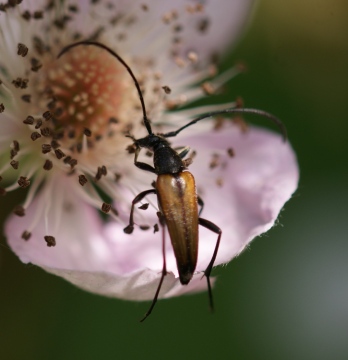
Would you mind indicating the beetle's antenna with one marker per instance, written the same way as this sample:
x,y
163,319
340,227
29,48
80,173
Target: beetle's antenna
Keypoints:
x,y
265,114
118,57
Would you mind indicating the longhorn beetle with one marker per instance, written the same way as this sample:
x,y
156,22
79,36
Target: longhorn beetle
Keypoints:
x,y
175,188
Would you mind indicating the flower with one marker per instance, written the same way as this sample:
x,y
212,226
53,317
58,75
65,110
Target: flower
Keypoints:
x,y
63,137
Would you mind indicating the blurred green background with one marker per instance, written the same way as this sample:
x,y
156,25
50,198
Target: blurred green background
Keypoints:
x,y
286,297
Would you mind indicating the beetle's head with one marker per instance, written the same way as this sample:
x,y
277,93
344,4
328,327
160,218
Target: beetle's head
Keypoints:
x,y
151,142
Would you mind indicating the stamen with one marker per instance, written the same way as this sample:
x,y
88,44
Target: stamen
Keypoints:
x,y
19,211
50,240
35,135
26,98
14,164
46,148
26,235
82,180
23,182
22,50
59,154
29,120
106,208
230,152
48,165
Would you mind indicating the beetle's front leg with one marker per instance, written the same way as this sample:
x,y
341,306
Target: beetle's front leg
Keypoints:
x,y
129,229
141,165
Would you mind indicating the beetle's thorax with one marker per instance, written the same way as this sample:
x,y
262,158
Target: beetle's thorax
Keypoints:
x,y
165,159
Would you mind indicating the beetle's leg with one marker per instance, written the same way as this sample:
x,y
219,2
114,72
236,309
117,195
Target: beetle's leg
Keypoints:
x,y
129,229
211,226
201,204
164,269
141,165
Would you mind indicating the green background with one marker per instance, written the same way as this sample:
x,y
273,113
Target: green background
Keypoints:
x,y
286,297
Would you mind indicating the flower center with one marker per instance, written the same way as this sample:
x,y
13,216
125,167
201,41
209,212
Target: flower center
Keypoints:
x,y
86,86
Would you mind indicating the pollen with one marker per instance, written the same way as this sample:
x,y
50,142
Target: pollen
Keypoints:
x,y
87,87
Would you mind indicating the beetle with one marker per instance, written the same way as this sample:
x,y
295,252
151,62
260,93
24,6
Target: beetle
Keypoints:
x,y
175,188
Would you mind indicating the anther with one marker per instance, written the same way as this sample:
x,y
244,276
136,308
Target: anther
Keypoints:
x,y
15,145
45,131
19,210
13,153
203,25
208,88
35,65
67,160
113,120
23,182
144,227
22,50
117,177
50,240
26,15
87,132
46,148
230,152
29,120
35,135
82,180
55,144
73,163
38,15
167,89
20,83
73,8
155,228
47,115
59,154
106,208
14,164
26,98
38,124
48,165
26,235
2,108
215,161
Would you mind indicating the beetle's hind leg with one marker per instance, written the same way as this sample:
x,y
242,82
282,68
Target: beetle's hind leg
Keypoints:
x,y
129,229
164,268
211,226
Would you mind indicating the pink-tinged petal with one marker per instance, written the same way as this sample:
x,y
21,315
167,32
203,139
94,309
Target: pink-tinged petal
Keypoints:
x,y
255,185
243,194
138,286
75,226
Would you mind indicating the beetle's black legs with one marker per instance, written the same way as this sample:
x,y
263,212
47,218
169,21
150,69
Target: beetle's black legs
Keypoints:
x,y
164,269
129,229
141,165
211,226
201,204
